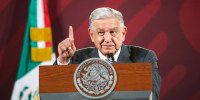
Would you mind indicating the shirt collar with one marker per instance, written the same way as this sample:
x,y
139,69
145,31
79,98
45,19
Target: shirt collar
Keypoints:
x,y
101,56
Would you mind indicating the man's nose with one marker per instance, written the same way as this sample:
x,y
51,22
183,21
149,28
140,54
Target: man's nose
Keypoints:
x,y
107,37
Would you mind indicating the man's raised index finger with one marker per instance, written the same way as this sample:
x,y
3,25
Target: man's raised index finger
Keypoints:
x,y
71,33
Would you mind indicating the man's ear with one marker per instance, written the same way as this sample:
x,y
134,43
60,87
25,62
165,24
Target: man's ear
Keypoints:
x,y
124,30
91,34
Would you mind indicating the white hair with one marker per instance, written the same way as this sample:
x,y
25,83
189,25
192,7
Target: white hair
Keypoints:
x,y
105,12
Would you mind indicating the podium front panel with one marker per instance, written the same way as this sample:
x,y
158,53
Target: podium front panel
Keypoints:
x,y
133,80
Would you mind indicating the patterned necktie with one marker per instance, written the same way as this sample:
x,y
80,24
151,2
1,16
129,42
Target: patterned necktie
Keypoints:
x,y
109,60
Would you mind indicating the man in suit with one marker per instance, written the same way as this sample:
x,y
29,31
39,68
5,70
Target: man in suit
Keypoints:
x,y
107,31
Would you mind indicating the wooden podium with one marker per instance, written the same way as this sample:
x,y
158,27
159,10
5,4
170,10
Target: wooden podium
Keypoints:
x,y
134,81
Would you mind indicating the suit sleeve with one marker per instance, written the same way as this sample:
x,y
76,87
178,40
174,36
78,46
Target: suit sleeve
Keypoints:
x,y
156,79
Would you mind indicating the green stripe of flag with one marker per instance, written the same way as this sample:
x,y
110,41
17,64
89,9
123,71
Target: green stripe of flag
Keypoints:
x,y
33,13
34,44
25,64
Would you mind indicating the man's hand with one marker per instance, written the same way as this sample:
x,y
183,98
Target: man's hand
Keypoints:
x,y
66,48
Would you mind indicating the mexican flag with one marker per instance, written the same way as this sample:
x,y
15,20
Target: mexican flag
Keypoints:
x,y
37,50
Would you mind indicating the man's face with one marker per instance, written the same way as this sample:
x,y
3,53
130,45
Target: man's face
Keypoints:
x,y
107,35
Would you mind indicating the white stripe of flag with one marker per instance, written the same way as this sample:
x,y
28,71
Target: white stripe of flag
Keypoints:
x,y
41,44
40,14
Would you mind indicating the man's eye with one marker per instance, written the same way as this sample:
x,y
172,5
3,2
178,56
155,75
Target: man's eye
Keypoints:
x,y
100,33
113,33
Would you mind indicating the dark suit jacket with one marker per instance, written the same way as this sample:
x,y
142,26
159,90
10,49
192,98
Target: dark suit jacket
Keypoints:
x,y
128,54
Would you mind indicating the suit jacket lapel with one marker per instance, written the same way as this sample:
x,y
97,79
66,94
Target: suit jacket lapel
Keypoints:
x,y
124,56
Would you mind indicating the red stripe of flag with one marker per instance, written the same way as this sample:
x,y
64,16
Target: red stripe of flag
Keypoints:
x,y
46,14
48,44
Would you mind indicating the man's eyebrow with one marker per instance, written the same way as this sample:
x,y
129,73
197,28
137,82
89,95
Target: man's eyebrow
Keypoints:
x,y
99,29
114,28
